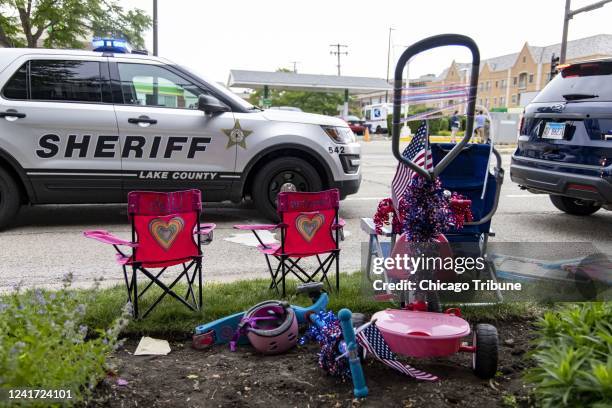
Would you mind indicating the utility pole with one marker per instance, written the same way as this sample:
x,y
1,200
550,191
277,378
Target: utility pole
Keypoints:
x,y
388,62
155,49
568,15
338,53
294,66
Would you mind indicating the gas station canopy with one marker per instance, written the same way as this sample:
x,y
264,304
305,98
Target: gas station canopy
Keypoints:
x,y
305,82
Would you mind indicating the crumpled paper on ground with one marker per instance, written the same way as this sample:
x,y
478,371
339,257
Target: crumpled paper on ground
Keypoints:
x,y
148,346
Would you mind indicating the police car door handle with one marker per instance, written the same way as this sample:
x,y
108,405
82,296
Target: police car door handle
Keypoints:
x,y
12,114
143,121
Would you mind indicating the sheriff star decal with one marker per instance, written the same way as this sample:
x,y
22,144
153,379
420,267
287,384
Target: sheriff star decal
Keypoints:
x,y
237,135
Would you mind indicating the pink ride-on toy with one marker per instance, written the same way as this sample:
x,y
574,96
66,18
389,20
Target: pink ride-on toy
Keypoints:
x,y
166,232
414,331
309,227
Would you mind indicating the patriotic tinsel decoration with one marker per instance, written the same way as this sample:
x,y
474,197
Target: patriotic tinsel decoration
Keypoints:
x,y
424,210
381,218
329,336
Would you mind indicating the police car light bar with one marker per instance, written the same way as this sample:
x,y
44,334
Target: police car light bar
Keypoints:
x,y
117,45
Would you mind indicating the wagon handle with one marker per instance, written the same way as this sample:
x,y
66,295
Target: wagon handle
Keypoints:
x,y
416,48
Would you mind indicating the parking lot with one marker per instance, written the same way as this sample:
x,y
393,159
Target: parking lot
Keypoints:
x,y
46,242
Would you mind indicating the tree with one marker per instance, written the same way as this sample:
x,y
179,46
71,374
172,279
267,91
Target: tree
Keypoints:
x,y
68,23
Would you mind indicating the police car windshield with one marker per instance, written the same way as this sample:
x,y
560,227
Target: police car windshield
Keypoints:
x,y
222,90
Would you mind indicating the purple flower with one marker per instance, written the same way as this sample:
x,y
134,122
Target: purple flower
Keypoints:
x,y
17,347
80,309
40,298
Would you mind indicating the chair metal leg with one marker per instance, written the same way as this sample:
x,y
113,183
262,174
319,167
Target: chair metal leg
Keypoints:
x,y
272,274
337,260
283,273
127,284
369,260
135,288
151,282
190,281
167,291
200,284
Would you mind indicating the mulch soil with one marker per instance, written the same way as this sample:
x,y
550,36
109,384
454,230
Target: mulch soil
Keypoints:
x,y
220,378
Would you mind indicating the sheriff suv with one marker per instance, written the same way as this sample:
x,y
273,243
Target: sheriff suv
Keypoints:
x,y
88,127
565,140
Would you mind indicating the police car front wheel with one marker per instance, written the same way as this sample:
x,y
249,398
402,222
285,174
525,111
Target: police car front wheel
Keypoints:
x,y
9,198
283,174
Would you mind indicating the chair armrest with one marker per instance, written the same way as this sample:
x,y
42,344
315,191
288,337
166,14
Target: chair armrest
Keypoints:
x,y
339,227
108,238
206,232
207,227
257,227
341,223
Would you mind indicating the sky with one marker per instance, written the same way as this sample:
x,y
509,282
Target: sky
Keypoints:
x,y
212,37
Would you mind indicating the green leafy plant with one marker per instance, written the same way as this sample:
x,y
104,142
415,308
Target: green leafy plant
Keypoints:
x,y
574,357
44,345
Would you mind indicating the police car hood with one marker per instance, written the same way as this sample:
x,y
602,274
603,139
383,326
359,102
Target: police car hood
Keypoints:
x,y
301,117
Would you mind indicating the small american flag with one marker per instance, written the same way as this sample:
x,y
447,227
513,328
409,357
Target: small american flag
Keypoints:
x,y
373,342
419,152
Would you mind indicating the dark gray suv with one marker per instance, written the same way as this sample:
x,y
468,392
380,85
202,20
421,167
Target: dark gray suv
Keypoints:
x,y
565,140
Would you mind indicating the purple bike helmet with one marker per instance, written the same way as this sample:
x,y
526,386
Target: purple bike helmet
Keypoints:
x,y
271,327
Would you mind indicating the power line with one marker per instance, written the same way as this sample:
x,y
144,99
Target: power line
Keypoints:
x,y
338,53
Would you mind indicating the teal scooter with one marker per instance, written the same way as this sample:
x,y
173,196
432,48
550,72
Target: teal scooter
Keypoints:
x,y
221,331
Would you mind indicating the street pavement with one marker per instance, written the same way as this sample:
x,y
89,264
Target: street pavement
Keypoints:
x,y
46,242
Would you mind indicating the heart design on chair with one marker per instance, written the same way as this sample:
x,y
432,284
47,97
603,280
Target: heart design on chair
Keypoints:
x,y
165,232
308,225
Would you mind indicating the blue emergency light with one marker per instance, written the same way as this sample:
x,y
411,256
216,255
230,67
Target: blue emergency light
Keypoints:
x,y
118,45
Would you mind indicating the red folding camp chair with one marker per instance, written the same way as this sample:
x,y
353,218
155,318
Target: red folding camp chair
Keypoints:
x,y
309,226
165,232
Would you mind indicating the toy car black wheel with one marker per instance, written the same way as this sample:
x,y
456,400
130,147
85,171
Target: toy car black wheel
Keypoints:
x,y
574,206
484,359
9,198
358,319
433,302
283,173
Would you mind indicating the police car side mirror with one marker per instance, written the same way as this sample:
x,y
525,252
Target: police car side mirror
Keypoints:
x,y
210,104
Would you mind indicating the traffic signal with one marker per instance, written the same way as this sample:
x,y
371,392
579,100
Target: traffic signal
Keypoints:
x,y
554,62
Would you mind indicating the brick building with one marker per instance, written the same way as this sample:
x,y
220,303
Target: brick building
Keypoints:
x,y
504,79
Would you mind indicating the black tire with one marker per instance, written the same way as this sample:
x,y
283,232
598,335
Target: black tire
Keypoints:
x,y
433,302
358,319
9,198
266,184
574,206
484,360
378,130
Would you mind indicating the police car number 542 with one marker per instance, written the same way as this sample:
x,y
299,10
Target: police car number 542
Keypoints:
x,y
91,126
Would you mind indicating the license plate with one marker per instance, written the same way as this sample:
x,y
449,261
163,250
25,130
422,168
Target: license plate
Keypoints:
x,y
553,130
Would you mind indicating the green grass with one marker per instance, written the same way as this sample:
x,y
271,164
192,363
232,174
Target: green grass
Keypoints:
x,y
171,318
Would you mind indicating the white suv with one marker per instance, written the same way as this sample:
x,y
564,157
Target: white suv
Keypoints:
x,y
88,127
